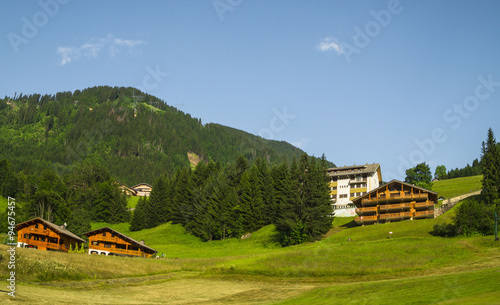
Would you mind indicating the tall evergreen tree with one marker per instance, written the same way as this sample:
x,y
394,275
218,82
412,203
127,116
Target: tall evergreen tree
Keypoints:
x,y
156,211
490,164
252,204
138,221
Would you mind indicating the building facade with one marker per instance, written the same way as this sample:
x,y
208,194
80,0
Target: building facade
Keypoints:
x,y
349,182
106,241
40,234
395,201
142,189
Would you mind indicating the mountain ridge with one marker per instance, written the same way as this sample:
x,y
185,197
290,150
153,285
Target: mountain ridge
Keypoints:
x,y
135,135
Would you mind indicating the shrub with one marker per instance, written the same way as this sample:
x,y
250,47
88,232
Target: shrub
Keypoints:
x,y
474,217
444,230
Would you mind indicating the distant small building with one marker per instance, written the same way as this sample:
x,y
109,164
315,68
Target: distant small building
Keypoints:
x,y
127,190
106,241
40,234
142,189
435,180
395,201
349,182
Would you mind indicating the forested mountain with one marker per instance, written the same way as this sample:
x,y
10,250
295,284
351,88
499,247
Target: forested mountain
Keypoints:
x,y
136,136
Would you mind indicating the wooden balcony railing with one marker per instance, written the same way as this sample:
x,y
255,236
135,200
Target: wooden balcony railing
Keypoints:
x,y
394,196
44,244
395,215
424,204
398,206
367,210
366,218
424,214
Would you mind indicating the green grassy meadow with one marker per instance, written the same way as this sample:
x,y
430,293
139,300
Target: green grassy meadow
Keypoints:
x,y
132,201
410,267
458,186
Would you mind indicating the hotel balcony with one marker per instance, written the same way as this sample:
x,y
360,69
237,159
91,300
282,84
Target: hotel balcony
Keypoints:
x,y
396,206
366,211
366,219
424,214
393,197
424,205
394,216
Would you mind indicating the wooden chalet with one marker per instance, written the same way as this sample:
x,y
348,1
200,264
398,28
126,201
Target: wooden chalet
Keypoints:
x,y
142,189
106,241
395,201
127,190
43,235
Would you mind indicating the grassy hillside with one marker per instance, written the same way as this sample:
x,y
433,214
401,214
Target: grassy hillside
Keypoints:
x,y
351,265
457,186
132,201
412,267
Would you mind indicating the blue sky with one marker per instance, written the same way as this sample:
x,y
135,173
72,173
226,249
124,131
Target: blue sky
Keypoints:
x,y
393,82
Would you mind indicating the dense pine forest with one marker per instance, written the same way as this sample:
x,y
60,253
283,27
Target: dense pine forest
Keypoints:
x,y
136,136
215,202
61,157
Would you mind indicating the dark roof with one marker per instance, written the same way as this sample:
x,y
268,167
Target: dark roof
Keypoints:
x,y
128,238
391,182
354,170
54,227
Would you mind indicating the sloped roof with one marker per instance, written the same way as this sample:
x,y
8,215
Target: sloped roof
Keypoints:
x,y
54,227
128,238
353,170
133,187
393,182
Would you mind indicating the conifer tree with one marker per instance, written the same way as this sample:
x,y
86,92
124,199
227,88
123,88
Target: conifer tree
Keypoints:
x,y
490,164
252,205
156,211
138,221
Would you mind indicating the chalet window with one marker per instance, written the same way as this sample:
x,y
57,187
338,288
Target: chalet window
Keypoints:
x,y
104,234
36,225
45,227
107,245
95,243
27,236
121,246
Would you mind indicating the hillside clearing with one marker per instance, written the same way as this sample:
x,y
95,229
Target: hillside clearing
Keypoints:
x,y
457,186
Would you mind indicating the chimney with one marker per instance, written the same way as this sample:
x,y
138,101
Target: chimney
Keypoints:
x,y
142,242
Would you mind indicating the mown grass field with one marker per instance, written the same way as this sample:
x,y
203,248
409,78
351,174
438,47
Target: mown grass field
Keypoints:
x,y
411,267
458,186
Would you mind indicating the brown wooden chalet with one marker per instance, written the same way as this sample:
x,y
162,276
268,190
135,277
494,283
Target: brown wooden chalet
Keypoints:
x,y
106,241
395,201
43,235
142,189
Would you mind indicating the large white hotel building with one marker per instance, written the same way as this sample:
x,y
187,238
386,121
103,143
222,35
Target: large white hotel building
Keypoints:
x,y
349,182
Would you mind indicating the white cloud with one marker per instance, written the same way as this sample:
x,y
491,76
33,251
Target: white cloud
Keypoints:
x,y
330,44
93,48
301,143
